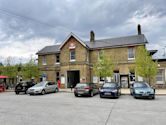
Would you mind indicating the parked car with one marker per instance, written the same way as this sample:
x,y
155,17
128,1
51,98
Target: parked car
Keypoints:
x,y
142,90
23,86
2,87
110,89
89,89
43,88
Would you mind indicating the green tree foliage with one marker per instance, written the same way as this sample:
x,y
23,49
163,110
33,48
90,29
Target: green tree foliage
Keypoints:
x,y
27,70
145,66
8,69
30,70
104,66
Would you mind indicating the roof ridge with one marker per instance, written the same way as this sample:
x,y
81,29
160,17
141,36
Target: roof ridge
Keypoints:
x,y
116,37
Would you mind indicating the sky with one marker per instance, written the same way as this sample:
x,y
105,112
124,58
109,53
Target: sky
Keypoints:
x,y
26,26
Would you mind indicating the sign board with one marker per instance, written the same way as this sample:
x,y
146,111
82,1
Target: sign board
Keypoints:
x,y
72,46
95,79
62,80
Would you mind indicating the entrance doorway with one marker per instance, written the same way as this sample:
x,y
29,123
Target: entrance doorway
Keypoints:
x,y
73,77
124,81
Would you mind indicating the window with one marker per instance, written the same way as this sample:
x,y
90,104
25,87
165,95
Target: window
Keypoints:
x,y
72,55
160,76
57,58
131,53
44,61
57,76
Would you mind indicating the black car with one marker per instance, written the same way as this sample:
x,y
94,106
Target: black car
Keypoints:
x,y
89,89
23,86
110,89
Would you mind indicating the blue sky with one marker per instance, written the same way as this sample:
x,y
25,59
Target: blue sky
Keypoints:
x,y
26,26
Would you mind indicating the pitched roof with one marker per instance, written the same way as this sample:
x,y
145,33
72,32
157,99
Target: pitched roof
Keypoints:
x,y
103,43
49,50
117,42
72,35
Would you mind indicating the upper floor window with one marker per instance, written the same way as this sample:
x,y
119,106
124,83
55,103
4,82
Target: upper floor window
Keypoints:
x,y
44,61
131,53
72,55
57,58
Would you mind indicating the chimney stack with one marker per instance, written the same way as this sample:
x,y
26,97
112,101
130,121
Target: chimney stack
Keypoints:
x,y
139,29
92,36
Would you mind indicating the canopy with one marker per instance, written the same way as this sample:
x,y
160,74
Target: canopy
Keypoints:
x,y
3,77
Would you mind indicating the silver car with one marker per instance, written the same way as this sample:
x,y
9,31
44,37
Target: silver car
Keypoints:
x,y
43,87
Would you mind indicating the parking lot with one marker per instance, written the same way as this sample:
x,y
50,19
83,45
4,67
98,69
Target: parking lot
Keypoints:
x,y
64,109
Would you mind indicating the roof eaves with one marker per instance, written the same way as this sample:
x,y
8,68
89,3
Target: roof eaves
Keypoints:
x,y
117,46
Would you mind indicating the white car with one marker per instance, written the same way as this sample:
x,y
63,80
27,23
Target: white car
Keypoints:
x,y
43,87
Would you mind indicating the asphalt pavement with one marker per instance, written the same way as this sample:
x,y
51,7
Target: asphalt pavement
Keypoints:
x,y
64,109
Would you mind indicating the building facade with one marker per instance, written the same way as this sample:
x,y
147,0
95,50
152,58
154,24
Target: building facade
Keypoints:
x,y
72,61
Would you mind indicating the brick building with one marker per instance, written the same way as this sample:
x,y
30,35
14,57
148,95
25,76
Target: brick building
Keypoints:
x,y
72,61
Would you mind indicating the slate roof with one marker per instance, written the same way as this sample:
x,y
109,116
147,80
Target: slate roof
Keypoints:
x,y
117,42
103,43
49,50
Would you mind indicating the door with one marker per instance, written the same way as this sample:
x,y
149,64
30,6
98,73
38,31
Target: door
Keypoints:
x,y
73,77
124,80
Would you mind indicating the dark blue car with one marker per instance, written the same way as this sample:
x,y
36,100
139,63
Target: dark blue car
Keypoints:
x,y
110,89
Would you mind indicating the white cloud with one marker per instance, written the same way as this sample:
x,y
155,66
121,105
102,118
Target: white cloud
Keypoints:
x,y
24,49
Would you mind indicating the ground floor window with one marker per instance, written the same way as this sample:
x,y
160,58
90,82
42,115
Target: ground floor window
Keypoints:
x,y
160,76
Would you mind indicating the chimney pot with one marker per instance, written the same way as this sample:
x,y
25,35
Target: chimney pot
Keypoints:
x,y
139,29
92,36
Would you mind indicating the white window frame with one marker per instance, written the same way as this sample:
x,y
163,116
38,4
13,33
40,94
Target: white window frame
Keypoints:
x,y
72,60
162,76
133,52
44,60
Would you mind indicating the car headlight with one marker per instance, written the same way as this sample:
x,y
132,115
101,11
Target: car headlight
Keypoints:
x,y
115,90
101,90
136,91
152,91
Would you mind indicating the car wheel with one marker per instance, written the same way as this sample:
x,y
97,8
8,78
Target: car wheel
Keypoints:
x,y
153,97
56,90
101,96
43,92
17,93
76,95
91,94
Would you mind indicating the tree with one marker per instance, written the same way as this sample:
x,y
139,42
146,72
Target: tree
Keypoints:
x,y
30,69
104,66
145,66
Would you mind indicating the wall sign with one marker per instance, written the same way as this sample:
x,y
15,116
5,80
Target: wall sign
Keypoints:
x,y
72,46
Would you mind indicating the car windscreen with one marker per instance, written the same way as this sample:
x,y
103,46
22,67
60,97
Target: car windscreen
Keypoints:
x,y
109,85
40,84
140,85
81,85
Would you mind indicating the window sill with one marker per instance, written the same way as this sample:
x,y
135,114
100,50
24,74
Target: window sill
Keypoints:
x,y
44,64
57,63
72,60
131,59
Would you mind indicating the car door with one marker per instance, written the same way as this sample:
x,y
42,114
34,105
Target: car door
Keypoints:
x,y
52,86
95,89
47,87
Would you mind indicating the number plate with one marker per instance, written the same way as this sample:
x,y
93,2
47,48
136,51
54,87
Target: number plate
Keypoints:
x,y
107,93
